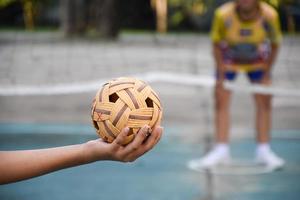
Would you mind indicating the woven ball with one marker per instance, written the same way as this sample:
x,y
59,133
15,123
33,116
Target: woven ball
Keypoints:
x,y
125,102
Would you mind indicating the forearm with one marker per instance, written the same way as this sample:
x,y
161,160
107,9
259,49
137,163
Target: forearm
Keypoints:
x,y
270,61
217,54
20,165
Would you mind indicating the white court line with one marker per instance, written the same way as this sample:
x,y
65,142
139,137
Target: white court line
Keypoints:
x,y
204,81
235,168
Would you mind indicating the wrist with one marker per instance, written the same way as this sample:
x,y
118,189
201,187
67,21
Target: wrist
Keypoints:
x,y
90,152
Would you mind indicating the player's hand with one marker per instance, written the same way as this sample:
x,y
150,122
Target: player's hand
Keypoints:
x,y
221,77
266,80
144,140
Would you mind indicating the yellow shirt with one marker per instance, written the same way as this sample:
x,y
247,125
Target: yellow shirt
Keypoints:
x,y
245,44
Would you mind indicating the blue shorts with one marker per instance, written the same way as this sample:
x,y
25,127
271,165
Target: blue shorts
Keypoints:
x,y
253,76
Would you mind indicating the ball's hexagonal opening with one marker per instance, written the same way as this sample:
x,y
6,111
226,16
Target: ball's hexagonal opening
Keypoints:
x,y
149,102
113,97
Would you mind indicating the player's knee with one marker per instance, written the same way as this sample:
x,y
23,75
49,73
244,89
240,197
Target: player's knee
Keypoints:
x,y
221,100
264,102
267,104
221,104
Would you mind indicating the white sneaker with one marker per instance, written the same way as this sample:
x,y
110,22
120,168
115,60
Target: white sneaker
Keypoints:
x,y
270,159
216,156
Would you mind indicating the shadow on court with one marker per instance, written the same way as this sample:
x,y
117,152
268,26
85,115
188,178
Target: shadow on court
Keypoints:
x,y
161,174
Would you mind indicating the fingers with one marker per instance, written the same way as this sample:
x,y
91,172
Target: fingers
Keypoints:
x,y
151,141
143,142
121,137
154,138
138,140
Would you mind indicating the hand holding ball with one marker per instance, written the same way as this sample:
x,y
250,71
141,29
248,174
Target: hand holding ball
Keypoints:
x,y
125,102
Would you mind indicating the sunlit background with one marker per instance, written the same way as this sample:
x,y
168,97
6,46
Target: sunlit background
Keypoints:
x,y
54,55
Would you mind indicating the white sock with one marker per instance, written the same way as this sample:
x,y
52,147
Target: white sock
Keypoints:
x,y
261,148
222,148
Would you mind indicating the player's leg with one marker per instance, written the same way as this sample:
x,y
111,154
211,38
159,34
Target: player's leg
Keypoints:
x,y
222,118
263,117
220,153
263,104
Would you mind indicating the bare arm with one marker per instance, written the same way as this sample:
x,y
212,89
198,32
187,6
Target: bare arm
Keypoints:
x,y
269,63
218,62
20,165
272,58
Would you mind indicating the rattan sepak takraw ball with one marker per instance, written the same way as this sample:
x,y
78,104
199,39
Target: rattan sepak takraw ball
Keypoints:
x,y
121,102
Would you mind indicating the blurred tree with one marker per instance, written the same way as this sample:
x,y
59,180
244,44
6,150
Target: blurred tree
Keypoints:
x,y
4,3
100,16
137,14
161,9
107,18
28,13
70,9
291,10
198,13
72,17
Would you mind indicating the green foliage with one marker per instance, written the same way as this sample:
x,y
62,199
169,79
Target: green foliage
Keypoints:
x,y
278,3
274,3
182,9
176,18
4,3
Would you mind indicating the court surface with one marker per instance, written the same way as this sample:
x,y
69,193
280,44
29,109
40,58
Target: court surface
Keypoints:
x,y
161,174
40,121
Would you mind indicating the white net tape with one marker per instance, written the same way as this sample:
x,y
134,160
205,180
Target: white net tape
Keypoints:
x,y
204,81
